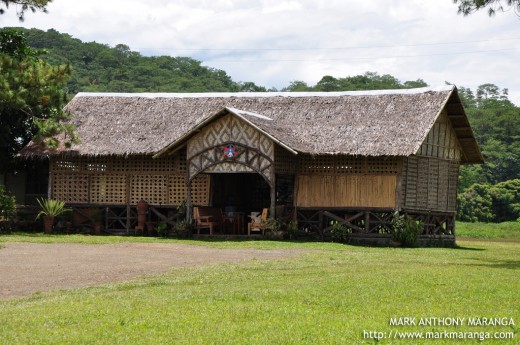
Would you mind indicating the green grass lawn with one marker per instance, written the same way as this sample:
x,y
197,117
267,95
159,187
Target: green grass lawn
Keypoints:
x,y
328,295
489,230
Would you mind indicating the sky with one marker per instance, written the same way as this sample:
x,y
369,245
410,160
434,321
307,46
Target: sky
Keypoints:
x,y
275,42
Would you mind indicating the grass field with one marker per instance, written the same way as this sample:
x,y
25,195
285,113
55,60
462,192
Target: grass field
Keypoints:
x,y
331,294
509,230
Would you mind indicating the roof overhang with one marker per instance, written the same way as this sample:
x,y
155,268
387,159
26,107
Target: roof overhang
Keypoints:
x,y
245,116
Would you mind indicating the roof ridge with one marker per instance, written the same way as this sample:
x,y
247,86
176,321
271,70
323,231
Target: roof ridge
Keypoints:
x,y
441,88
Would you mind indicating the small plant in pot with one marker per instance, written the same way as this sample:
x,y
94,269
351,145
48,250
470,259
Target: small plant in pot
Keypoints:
x,y
183,229
50,209
272,229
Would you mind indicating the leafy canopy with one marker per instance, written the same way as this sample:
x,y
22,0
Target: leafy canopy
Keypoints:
x,y
32,96
467,7
23,5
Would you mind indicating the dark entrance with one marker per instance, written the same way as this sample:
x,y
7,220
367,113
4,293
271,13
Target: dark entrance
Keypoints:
x,y
240,192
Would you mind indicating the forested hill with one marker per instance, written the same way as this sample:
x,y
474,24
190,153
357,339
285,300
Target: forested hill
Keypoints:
x,y
488,192
99,68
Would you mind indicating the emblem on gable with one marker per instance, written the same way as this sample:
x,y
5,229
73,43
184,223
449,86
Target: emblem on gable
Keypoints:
x,y
230,151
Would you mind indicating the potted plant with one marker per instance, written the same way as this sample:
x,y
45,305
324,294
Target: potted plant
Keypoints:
x,y
50,209
181,209
272,230
183,229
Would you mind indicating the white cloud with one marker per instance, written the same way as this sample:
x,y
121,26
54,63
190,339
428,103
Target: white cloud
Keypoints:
x,y
303,39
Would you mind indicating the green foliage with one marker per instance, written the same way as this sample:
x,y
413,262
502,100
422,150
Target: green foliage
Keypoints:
x,y
51,208
183,229
292,229
271,225
367,81
467,7
490,203
100,68
23,5
340,232
161,229
406,230
7,204
496,124
33,96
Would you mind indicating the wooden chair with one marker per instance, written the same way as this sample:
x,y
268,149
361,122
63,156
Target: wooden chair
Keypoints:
x,y
254,226
207,218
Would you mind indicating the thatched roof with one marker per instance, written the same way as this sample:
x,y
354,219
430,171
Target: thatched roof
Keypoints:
x,y
368,123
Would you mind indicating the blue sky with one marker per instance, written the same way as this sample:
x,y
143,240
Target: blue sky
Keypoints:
x,y
274,42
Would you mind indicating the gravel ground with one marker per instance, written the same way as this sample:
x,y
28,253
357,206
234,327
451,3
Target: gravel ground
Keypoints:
x,y
26,268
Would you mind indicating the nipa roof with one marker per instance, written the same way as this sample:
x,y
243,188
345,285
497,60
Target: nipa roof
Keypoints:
x,y
367,123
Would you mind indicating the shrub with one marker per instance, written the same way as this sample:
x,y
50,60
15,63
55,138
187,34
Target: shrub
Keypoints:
x,y
271,225
7,204
340,232
183,229
406,230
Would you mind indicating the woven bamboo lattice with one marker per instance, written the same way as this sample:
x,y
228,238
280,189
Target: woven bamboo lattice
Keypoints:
x,y
151,188
255,151
349,165
200,188
285,161
108,189
120,180
71,188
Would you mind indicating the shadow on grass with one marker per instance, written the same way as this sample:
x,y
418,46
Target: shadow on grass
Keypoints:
x,y
508,264
457,247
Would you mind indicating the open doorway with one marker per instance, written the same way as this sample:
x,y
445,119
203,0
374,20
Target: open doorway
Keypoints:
x,y
240,192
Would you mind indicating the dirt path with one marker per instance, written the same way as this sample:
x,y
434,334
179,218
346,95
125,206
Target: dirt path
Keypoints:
x,y
26,268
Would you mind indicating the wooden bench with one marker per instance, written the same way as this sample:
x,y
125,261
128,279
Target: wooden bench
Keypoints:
x,y
208,218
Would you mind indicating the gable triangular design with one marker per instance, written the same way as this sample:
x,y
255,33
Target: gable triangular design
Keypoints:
x,y
254,150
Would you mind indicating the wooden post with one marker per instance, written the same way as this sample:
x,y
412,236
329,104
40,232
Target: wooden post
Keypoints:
x,y
51,180
188,202
128,210
273,197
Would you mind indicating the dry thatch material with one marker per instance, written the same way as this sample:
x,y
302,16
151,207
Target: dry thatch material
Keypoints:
x,y
381,123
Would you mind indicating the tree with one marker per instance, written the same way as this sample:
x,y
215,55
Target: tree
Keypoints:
x,y
32,96
23,5
467,7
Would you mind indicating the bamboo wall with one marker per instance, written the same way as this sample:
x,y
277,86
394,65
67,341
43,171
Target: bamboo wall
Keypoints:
x,y
346,191
347,181
430,178
121,181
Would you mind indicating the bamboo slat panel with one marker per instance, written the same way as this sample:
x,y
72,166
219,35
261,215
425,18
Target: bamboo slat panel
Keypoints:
x,y
430,183
441,141
346,191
